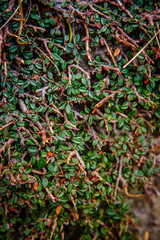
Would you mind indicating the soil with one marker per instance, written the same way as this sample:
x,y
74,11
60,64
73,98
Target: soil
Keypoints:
x,y
147,212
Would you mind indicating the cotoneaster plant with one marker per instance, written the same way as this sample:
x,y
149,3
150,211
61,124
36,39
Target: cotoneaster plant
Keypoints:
x,y
78,120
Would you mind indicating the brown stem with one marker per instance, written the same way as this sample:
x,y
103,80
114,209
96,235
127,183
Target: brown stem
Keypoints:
x,y
86,39
119,176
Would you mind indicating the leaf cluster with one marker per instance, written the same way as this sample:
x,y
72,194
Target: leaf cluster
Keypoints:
x,y
76,127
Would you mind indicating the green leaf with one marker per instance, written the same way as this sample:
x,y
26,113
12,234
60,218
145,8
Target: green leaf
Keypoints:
x,y
77,38
33,160
68,109
95,142
45,182
35,16
43,154
33,150
63,65
31,142
61,194
150,172
57,57
12,48
120,122
75,161
41,163
50,167
111,212
70,45
90,122
52,21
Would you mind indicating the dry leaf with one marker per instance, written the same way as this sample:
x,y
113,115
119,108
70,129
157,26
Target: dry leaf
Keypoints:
x,y
116,52
49,222
100,152
58,209
154,48
146,235
50,154
36,186
77,215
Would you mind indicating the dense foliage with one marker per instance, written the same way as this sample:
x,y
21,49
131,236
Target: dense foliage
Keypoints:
x,y
76,124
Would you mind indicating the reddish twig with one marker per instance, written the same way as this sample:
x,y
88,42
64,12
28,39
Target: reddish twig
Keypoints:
x,y
119,176
142,98
86,39
50,195
123,8
141,50
25,110
35,28
6,125
2,149
103,42
82,70
75,153
43,90
98,105
69,123
10,17
53,227
126,190
1,42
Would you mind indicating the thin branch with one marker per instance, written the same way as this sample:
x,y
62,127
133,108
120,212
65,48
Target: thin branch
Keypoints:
x,y
123,8
50,194
73,153
10,17
25,110
28,95
100,13
6,125
2,149
142,98
119,176
103,42
126,190
107,68
49,59
10,6
82,70
53,227
98,105
43,90
141,49
26,130
59,46
1,43
35,28
21,22
69,123
39,172
86,39
74,203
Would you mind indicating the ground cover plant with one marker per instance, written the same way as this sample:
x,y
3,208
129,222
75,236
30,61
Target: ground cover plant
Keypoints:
x,y
80,111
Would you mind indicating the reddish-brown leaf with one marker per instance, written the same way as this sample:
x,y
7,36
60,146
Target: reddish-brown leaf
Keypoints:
x,y
77,215
116,52
36,186
50,154
58,209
